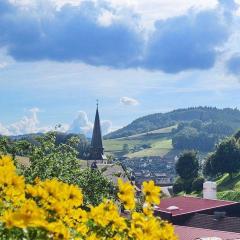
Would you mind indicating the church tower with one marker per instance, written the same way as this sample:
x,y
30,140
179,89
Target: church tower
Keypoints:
x,y
97,150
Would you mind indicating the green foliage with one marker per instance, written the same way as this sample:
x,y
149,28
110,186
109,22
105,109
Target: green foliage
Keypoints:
x,y
197,184
50,160
187,168
226,158
208,168
17,233
178,185
187,165
190,138
4,145
229,195
237,135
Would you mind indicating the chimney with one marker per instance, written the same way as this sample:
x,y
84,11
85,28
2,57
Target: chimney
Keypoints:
x,y
210,190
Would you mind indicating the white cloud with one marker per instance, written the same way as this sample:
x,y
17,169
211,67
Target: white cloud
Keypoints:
x,y
148,10
3,65
82,124
28,124
106,126
152,10
3,130
127,101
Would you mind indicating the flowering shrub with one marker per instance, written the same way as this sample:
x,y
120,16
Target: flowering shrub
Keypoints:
x,y
52,209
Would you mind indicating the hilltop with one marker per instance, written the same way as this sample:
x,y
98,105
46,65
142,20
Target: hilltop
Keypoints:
x,y
198,128
227,116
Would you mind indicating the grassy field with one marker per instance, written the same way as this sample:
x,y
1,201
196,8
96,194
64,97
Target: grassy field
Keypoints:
x,y
159,148
229,189
158,142
157,132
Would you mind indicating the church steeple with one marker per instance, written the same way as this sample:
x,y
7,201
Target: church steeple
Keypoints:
x,y
96,143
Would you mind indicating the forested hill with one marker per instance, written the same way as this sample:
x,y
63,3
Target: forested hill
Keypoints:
x,y
227,118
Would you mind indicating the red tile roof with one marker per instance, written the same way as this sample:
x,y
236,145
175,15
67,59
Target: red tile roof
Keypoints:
x,y
188,204
189,233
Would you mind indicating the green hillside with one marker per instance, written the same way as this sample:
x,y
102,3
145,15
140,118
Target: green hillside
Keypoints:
x,y
197,129
228,117
153,143
229,189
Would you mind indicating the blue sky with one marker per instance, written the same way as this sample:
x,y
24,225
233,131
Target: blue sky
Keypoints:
x,y
137,57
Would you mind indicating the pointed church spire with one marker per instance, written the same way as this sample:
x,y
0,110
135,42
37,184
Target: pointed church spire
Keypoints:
x,y
96,143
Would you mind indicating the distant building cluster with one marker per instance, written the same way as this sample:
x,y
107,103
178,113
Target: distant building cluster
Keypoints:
x,y
159,169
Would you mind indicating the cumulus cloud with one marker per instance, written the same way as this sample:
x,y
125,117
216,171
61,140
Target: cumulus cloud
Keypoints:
x,y
186,42
106,126
82,124
127,101
28,124
91,33
3,130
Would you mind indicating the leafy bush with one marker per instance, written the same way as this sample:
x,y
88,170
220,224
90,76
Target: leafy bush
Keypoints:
x,y
197,184
49,159
226,158
51,209
178,186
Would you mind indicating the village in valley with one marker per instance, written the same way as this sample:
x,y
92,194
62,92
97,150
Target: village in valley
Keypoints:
x,y
156,157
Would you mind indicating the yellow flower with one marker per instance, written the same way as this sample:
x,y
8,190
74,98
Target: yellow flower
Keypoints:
x,y
7,163
57,207
151,192
147,209
28,215
58,231
93,236
126,194
73,195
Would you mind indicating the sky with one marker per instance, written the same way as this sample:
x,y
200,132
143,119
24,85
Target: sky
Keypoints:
x,y
136,57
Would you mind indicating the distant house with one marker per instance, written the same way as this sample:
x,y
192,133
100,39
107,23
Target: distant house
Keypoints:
x,y
180,209
200,218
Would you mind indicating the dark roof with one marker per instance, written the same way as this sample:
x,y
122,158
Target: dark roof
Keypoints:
x,y
186,205
189,233
231,224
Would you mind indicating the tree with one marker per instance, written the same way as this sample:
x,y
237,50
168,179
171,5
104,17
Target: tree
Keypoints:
x,y
50,160
226,158
4,145
208,168
237,135
197,184
187,165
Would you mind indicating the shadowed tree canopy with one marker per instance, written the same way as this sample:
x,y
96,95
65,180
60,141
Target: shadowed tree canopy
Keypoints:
x,y
226,158
187,165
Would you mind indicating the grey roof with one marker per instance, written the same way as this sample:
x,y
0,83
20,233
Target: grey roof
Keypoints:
x,y
113,172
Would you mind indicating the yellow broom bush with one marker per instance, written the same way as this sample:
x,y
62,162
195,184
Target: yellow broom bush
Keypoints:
x,y
52,209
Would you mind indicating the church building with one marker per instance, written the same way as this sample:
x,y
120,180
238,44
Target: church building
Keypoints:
x,y
97,150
